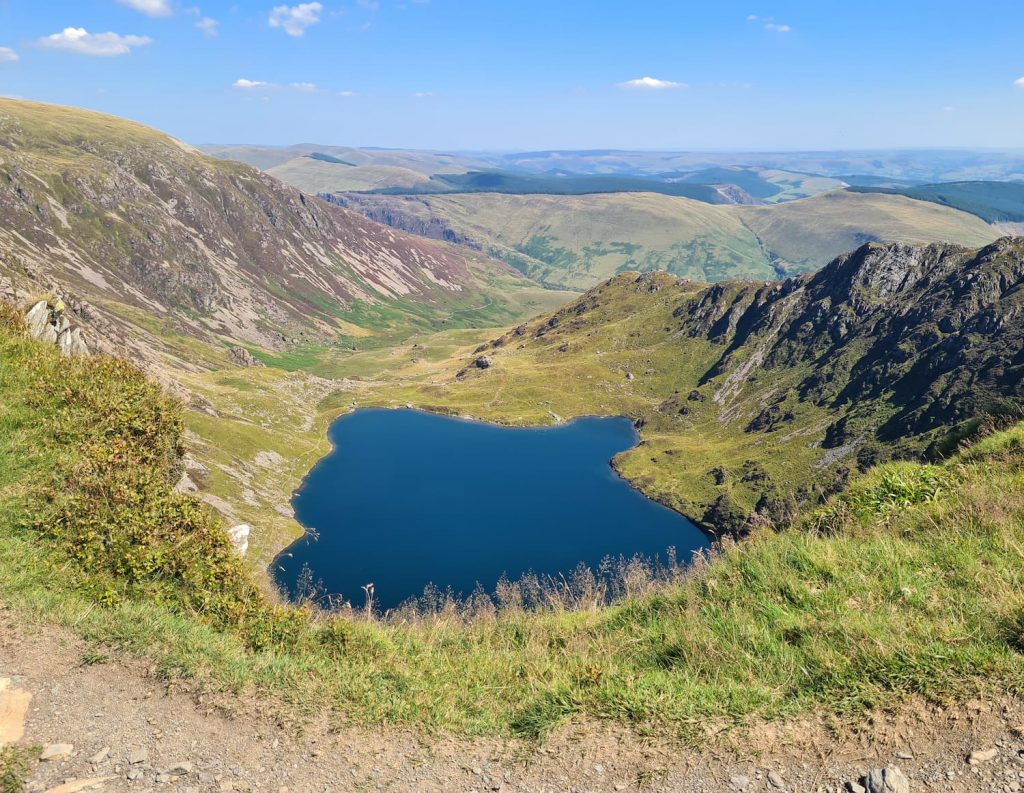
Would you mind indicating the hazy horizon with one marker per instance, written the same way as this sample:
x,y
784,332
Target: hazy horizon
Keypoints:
x,y
779,76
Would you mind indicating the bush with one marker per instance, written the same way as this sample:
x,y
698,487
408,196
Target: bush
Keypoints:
x,y
110,503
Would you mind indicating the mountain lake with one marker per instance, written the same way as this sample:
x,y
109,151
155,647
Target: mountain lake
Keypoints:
x,y
408,499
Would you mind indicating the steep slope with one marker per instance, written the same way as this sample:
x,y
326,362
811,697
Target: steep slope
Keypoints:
x,y
139,231
759,395
577,241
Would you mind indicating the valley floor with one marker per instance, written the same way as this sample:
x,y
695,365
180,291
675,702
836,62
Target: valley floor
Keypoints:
x,y
187,740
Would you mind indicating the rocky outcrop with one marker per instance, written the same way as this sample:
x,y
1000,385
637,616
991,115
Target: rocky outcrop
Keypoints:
x,y
46,321
242,357
239,536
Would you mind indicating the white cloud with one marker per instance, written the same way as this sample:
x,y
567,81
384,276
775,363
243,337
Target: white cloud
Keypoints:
x,y
7,55
208,26
651,84
1019,82
248,85
295,19
425,94
347,94
263,85
102,45
373,5
770,23
152,8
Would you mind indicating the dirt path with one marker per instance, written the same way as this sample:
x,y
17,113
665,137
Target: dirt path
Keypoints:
x,y
128,732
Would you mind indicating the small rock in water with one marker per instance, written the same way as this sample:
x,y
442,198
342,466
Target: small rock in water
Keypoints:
x,y
57,751
886,780
980,756
100,756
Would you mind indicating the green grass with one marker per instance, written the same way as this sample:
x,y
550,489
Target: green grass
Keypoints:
x,y
15,764
907,585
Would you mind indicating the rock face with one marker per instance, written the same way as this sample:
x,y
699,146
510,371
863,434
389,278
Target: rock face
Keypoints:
x,y
936,332
46,322
242,357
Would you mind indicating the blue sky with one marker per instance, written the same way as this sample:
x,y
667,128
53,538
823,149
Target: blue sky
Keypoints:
x,y
532,74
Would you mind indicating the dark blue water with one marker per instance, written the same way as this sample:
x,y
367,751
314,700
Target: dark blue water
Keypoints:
x,y
408,499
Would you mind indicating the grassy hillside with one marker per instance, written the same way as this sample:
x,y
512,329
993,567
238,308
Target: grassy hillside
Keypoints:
x,y
758,396
993,202
322,176
155,246
907,584
578,241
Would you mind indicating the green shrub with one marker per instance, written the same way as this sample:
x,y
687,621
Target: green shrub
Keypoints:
x,y
110,504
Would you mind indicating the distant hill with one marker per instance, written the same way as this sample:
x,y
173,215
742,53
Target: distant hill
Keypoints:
x,y
314,168
993,202
577,241
528,184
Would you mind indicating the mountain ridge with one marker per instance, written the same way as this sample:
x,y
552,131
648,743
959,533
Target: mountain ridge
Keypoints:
x,y
754,397
135,229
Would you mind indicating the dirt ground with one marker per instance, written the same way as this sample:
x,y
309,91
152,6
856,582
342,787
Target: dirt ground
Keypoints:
x,y
127,732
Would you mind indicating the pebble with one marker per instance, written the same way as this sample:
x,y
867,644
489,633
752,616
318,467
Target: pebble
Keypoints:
x,y
138,756
856,787
775,780
886,780
100,756
740,782
57,751
982,756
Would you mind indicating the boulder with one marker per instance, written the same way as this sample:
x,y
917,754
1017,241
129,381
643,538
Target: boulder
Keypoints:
x,y
484,362
242,357
37,319
886,780
71,343
239,536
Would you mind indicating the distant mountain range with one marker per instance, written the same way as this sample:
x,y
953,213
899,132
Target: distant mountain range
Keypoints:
x,y
577,241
